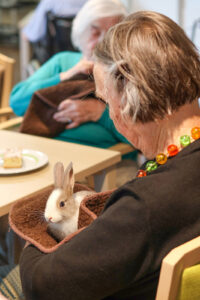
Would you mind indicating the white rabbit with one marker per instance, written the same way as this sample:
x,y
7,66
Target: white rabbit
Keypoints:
x,y
62,207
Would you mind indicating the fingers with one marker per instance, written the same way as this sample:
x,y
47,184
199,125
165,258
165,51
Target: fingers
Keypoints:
x,y
73,124
79,111
66,115
66,111
62,117
69,109
65,104
75,112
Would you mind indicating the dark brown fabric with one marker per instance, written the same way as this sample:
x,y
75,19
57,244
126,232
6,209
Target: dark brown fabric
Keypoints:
x,y
26,217
38,119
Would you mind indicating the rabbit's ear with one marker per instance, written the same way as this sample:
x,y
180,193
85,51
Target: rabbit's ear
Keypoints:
x,y
68,183
58,175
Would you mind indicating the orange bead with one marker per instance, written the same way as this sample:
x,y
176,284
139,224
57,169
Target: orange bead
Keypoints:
x,y
141,173
172,150
195,132
161,158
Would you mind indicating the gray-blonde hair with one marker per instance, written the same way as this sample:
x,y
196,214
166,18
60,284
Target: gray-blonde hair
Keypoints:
x,y
91,11
153,65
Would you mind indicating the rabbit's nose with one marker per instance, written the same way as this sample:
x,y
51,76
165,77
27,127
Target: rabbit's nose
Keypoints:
x,y
50,219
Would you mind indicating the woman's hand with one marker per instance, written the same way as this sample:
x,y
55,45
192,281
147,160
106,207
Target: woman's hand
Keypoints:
x,y
75,112
84,66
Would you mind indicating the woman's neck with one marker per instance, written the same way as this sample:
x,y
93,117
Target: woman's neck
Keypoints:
x,y
156,136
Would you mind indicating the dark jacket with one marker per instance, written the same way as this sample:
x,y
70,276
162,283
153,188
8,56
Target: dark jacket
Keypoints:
x,y
119,255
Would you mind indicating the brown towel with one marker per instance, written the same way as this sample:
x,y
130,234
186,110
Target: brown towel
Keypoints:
x,y
38,119
26,217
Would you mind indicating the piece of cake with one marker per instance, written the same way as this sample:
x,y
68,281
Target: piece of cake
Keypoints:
x,y
12,158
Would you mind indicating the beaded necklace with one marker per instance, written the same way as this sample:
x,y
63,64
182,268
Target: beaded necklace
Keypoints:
x,y
172,150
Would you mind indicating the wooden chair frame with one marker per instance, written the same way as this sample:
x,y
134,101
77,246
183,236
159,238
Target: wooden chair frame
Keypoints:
x,y
172,267
12,123
8,64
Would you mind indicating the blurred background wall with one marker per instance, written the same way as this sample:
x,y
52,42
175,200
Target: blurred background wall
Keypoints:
x,y
185,12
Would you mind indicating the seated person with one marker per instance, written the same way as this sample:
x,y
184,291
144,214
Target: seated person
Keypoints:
x,y
148,72
51,16
89,26
36,28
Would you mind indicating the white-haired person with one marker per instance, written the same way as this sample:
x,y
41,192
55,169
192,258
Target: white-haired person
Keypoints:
x,y
36,29
89,121
148,72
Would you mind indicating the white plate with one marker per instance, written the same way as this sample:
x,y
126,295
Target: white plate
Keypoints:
x,y
32,160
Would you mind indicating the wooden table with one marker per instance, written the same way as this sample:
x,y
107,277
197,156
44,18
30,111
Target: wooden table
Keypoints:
x,y
87,161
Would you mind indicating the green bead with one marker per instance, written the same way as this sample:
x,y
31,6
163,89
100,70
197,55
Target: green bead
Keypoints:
x,y
151,166
185,140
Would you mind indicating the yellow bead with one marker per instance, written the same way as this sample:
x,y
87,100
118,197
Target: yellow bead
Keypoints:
x,y
161,158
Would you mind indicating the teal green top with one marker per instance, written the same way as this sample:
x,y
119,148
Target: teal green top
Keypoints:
x,y
47,75
101,134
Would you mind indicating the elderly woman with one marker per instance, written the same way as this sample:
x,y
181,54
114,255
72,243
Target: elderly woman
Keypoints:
x,y
148,72
89,26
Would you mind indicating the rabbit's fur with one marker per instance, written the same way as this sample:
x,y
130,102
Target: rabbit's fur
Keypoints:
x,y
62,207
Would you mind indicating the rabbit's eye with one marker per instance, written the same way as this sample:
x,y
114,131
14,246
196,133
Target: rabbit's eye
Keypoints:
x,y
62,203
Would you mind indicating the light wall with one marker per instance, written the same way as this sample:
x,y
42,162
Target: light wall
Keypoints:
x,y
184,12
192,13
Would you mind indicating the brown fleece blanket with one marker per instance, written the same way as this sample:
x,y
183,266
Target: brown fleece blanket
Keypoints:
x,y
27,220
38,119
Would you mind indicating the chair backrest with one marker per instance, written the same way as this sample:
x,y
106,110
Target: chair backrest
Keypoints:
x,y
59,31
2,69
6,79
57,39
190,284
174,265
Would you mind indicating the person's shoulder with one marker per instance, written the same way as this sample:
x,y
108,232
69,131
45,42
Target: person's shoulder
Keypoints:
x,y
128,192
141,190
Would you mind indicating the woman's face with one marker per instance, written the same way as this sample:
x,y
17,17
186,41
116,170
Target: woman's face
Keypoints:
x,y
96,32
136,133
113,99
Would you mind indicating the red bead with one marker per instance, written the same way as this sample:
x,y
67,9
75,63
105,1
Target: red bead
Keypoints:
x,y
141,173
195,132
172,150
